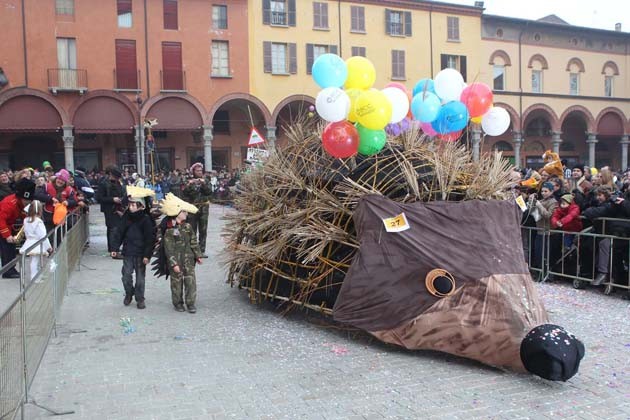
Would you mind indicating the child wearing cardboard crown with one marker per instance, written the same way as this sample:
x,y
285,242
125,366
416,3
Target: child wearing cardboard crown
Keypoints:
x,y
180,251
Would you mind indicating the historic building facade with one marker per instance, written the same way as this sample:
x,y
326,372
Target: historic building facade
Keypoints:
x,y
84,76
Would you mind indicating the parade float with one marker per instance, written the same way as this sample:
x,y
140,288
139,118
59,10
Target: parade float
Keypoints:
x,y
376,214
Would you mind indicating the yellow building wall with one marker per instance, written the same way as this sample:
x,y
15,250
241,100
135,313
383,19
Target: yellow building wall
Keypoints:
x,y
272,89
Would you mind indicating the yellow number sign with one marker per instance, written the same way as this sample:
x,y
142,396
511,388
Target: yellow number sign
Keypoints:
x,y
396,223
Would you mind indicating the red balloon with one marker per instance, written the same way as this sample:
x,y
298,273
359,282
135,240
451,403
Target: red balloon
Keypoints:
x,y
478,99
452,136
340,139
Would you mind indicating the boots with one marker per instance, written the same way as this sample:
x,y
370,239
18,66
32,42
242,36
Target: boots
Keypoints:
x,y
141,305
599,279
127,300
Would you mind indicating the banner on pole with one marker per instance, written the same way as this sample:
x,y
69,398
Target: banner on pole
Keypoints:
x,y
255,137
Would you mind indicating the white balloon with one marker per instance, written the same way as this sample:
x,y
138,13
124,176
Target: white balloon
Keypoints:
x,y
332,104
400,103
449,84
495,121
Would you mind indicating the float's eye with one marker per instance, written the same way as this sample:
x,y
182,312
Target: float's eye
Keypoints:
x,y
440,283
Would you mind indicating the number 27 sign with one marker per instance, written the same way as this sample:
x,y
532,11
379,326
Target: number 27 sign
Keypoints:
x,y
397,223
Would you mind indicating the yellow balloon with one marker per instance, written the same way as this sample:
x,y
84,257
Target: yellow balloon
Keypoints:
x,y
361,73
476,120
353,94
373,109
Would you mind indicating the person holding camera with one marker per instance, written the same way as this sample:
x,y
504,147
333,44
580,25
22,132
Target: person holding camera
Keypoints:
x,y
611,205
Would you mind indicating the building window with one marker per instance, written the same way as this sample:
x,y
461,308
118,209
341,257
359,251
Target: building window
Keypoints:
x,y
608,86
320,15
278,12
170,14
358,51
64,7
219,17
397,23
172,72
314,51
280,58
498,77
398,65
67,63
220,58
457,62
221,122
126,65
537,81
452,28
357,19
574,83
124,13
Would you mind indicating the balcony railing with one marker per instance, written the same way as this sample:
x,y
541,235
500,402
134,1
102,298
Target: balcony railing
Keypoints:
x,y
70,80
127,80
278,18
173,80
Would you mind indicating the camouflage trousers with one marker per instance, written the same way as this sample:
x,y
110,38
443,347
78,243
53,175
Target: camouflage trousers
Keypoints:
x,y
184,282
199,224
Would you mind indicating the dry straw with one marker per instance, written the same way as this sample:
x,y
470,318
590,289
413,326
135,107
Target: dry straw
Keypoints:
x,y
293,239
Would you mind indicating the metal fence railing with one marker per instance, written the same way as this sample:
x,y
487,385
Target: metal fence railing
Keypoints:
x,y
28,323
579,256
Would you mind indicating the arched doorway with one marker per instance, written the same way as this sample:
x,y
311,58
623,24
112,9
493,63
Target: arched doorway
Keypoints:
x,y
575,126
539,122
610,129
293,109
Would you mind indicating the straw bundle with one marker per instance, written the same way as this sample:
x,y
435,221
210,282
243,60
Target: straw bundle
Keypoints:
x,y
293,239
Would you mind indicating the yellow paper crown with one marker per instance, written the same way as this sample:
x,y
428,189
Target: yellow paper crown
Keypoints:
x,y
173,205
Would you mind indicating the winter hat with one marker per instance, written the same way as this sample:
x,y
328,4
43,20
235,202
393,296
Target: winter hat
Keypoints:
x,y
46,165
192,168
551,352
25,188
568,198
548,185
63,175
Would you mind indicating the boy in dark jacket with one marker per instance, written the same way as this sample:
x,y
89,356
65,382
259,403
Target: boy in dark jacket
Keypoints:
x,y
137,237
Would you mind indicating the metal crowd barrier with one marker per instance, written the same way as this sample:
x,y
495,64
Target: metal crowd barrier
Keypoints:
x,y
28,323
548,253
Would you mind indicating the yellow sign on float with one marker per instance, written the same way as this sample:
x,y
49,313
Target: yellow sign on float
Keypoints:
x,y
396,224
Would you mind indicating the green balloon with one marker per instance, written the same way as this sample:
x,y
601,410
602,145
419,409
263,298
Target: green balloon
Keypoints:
x,y
370,141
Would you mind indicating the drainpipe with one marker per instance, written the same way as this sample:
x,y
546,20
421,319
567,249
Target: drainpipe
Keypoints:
x,y
520,76
146,48
431,37
24,42
339,25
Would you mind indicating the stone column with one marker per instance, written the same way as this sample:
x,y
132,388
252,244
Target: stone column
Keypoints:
x,y
591,141
207,147
624,151
68,147
476,141
271,138
138,139
556,140
517,139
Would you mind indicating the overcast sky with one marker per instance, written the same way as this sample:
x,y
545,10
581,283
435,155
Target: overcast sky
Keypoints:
x,y
601,14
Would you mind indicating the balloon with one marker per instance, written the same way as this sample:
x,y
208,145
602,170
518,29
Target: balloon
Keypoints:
x,y
405,125
329,70
495,121
478,99
370,141
424,85
373,109
340,139
449,84
361,73
453,116
397,85
399,101
396,130
427,129
452,136
425,106
353,94
311,115
59,214
332,104
311,108
476,120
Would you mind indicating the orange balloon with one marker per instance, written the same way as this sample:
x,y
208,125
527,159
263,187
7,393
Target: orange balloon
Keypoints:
x,y
61,211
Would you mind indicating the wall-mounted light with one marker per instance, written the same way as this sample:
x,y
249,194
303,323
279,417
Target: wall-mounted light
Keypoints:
x,y
3,79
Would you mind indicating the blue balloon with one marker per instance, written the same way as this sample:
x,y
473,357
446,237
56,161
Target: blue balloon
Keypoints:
x,y
420,86
329,70
425,107
453,116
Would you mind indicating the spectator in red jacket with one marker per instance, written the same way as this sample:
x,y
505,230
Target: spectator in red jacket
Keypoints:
x,y
566,217
11,209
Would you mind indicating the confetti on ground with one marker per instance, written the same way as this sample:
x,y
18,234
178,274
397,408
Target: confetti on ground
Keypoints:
x,y
339,350
126,324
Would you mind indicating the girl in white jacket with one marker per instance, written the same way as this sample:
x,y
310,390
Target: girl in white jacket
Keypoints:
x,y
34,231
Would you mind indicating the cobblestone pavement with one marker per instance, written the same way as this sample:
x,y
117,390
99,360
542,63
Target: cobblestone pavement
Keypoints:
x,y
237,360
